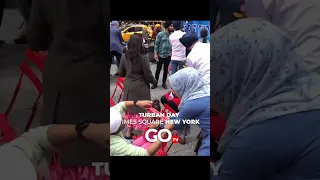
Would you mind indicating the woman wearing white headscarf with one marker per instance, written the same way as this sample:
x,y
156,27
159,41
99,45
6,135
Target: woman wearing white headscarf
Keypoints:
x,y
189,85
271,102
119,146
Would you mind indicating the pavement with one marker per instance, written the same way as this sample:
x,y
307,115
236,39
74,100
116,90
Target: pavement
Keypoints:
x,y
11,56
176,149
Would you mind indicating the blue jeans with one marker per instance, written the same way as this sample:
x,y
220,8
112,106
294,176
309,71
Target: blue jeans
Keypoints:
x,y
176,65
282,148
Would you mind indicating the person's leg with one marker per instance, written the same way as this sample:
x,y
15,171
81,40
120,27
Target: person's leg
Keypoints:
x,y
174,66
180,64
159,67
24,9
118,58
163,100
111,59
165,71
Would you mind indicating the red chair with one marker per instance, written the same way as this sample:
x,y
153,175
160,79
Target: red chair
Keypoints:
x,y
167,109
25,71
36,58
119,84
6,131
163,151
111,102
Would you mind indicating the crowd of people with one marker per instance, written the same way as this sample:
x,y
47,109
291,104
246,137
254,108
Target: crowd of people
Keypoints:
x,y
189,83
266,88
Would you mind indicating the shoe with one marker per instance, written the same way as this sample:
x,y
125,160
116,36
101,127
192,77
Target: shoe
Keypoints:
x,y
21,40
116,74
154,86
182,141
164,86
130,137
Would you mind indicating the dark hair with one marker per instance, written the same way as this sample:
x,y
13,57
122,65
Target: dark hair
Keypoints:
x,y
167,24
156,104
135,49
204,35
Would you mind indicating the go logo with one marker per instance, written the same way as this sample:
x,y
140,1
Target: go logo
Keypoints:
x,y
158,136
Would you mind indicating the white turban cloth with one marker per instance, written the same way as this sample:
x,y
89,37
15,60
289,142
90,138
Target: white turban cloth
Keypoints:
x,y
115,119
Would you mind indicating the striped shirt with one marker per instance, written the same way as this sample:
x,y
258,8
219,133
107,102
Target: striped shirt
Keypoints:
x,y
162,45
178,50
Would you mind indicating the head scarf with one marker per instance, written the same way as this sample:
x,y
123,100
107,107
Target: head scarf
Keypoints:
x,y
189,84
114,23
258,76
115,120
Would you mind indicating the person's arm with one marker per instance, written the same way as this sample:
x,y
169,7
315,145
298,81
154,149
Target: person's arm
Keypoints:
x,y
43,139
124,105
122,66
125,149
147,71
120,37
157,43
38,31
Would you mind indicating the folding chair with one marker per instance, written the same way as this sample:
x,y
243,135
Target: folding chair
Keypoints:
x,y
168,109
6,131
111,102
119,83
36,58
27,71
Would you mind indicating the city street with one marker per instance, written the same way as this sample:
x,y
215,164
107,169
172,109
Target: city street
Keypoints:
x,y
176,149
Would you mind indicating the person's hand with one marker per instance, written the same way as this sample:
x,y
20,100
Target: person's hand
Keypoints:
x,y
144,104
156,57
170,54
98,133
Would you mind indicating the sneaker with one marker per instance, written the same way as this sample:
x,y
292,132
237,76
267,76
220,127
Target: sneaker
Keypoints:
x,y
154,86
